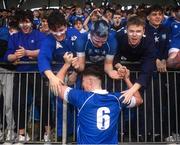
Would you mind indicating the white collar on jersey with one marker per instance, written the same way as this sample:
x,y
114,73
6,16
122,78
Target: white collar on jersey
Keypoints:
x,y
102,92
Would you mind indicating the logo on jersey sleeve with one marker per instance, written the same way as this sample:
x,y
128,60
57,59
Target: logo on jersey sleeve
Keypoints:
x,y
73,38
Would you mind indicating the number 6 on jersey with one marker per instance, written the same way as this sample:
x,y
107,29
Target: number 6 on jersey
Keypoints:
x,y
103,118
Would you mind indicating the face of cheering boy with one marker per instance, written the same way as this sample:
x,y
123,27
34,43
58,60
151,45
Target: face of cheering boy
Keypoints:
x,y
59,33
25,26
135,33
155,18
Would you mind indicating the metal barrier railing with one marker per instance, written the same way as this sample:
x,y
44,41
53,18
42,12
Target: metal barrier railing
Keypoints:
x,y
157,120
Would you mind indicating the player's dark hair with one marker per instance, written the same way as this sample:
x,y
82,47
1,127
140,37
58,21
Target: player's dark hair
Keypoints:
x,y
95,71
135,20
56,20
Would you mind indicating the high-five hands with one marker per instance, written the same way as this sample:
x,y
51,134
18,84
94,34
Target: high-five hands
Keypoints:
x,y
55,81
68,58
123,72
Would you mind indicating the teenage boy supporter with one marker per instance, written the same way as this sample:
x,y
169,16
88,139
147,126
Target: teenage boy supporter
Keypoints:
x,y
24,46
161,35
134,45
60,40
98,47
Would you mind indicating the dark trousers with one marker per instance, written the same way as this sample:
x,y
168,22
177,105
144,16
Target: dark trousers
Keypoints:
x,y
25,84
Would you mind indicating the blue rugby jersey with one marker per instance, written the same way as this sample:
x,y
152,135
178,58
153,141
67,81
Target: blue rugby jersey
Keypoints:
x,y
93,54
98,114
53,50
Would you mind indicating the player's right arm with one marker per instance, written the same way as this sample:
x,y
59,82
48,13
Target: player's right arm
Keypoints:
x,y
64,89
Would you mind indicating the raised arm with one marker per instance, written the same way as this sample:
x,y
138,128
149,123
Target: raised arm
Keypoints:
x,y
62,88
129,84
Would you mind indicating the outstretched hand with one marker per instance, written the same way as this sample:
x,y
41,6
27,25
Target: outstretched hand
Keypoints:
x,y
127,94
54,83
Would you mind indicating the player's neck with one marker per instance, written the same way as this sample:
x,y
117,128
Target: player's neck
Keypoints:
x,y
96,87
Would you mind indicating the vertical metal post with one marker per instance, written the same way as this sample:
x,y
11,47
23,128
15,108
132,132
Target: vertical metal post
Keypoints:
x,y
160,102
33,105
26,102
4,4
40,133
20,3
153,117
49,4
176,104
137,117
168,99
145,115
64,126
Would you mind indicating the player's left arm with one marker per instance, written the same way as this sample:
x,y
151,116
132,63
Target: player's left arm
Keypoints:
x,y
134,100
